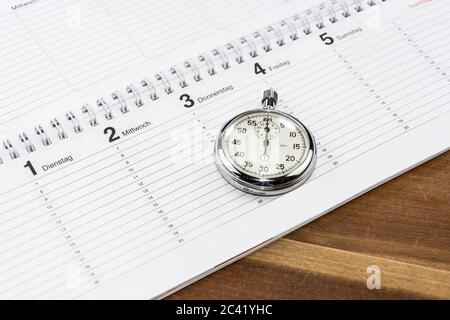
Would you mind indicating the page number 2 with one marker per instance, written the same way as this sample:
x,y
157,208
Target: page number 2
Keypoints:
x,y
327,40
112,134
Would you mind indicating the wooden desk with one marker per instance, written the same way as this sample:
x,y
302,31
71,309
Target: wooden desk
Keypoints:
x,y
402,226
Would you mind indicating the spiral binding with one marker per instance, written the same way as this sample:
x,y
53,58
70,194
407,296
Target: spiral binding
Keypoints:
x,y
249,45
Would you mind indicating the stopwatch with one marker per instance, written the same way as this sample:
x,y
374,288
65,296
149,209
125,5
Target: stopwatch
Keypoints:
x,y
265,151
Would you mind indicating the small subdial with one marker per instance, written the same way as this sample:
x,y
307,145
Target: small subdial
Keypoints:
x,y
267,130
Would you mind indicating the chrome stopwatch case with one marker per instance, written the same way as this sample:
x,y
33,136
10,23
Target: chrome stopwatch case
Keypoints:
x,y
265,151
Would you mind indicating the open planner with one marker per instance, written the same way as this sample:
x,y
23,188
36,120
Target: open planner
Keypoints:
x,y
109,111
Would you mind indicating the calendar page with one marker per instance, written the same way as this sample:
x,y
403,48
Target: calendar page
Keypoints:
x,y
71,50
125,202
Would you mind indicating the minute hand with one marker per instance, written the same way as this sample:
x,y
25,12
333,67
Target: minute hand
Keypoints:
x,y
266,140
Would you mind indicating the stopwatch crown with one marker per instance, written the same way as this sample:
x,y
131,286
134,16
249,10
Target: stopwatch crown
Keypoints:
x,y
270,99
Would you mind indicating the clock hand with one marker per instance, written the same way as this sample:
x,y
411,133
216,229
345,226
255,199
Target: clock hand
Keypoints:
x,y
266,140
266,145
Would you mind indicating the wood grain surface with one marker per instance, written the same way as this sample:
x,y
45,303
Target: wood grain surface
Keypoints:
x,y
403,227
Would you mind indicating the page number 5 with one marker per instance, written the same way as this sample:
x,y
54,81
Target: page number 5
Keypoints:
x,y
326,39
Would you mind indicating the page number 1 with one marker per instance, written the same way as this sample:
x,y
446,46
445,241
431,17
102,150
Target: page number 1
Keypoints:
x,y
30,166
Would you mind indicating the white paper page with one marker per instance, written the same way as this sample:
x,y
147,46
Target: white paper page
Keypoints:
x,y
53,49
142,215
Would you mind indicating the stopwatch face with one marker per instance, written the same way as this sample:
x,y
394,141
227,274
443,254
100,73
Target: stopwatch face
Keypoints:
x,y
265,150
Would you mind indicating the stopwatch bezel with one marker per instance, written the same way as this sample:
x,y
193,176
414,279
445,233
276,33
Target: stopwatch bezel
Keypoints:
x,y
270,185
